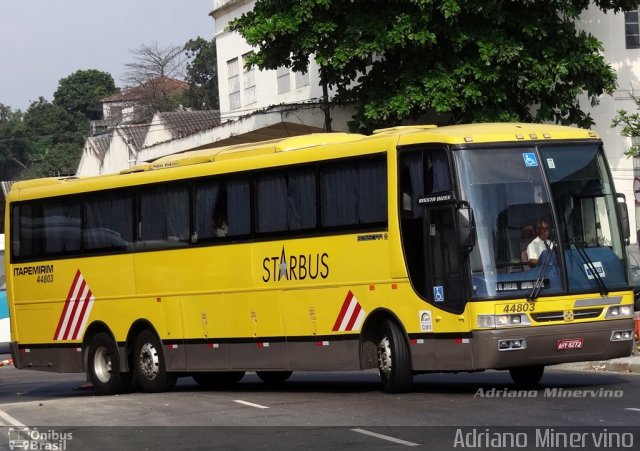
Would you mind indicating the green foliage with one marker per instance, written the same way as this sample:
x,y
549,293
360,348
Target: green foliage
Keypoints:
x,y
202,75
81,92
14,145
58,138
630,123
466,60
47,140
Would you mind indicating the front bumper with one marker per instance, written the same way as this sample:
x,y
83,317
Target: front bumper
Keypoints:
x,y
542,344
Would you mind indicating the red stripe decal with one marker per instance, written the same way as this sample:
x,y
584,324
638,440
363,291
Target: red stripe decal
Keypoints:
x,y
67,331
66,305
354,316
83,312
343,311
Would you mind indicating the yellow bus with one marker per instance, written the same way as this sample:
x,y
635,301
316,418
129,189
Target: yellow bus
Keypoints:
x,y
402,251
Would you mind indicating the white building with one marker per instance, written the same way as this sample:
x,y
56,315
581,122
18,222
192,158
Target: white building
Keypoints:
x,y
244,91
620,38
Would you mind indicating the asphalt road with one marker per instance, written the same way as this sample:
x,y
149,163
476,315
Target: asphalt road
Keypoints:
x,y
325,411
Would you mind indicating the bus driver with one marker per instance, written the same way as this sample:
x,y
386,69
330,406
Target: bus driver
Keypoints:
x,y
540,243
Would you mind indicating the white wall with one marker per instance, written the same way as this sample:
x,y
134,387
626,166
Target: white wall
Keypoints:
x,y
610,30
158,132
232,45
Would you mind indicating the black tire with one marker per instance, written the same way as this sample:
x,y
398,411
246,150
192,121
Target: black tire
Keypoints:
x,y
394,361
104,366
527,376
218,379
149,364
274,377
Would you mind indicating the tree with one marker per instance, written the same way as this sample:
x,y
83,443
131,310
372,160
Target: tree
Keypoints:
x,y
152,62
630,123
154,79
202,75
57,139
466,60
14,144
81,92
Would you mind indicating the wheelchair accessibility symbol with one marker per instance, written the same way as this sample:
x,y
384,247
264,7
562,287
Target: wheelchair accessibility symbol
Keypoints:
x,y
530,159
438,293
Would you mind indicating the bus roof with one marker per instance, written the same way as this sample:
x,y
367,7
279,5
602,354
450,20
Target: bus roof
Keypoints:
x,y
486,133
402,135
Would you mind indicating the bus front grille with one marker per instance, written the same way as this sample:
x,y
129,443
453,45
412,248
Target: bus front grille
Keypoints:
x,y
548,317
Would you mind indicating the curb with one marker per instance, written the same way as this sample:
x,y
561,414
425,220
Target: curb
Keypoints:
x,y
6,362
622,365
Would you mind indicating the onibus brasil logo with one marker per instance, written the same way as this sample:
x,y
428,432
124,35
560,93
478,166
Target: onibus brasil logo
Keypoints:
x,y
33,439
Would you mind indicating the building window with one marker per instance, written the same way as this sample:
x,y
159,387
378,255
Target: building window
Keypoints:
x,y
302,79
233,78
631,31
284,84
249,80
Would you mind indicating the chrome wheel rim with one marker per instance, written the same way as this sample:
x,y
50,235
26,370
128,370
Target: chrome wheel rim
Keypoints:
x,y
384,356
102,365
148,361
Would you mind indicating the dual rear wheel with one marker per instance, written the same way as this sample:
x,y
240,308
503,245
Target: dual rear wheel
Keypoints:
x,y
148,365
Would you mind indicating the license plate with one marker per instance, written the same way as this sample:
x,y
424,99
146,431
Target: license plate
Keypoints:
x,y
570,343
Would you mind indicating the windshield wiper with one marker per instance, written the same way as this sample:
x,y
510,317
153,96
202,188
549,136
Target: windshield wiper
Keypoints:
x,y
539,282
604,291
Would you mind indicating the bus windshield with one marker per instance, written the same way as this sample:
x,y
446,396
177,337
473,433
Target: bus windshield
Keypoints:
x,y
545,218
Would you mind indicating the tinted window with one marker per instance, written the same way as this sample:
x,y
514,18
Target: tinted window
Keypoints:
x,y
48,228
108,221
354,192
222,208
164,215
286,201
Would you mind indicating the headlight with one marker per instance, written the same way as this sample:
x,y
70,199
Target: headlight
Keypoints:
x,y
495,321
619,311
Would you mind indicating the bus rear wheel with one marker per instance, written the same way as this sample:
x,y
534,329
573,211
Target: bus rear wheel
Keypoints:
x,y
150,365
218,379
527,376
394,362
274,377
104,366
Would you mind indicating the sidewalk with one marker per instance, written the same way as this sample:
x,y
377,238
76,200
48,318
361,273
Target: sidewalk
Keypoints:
x,y
622,365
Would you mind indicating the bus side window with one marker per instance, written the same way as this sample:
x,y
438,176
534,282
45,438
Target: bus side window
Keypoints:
x,y
354,193
286,200
222,208
108,221
164,215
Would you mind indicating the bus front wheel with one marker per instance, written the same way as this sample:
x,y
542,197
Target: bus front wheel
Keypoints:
x,y
394,362
104,366
150,365
527,376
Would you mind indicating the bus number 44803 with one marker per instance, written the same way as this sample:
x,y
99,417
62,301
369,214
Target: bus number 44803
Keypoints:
x,y
519,308
46,278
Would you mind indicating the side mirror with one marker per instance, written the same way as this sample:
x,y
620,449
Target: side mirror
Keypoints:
x,y
624,217
466,229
